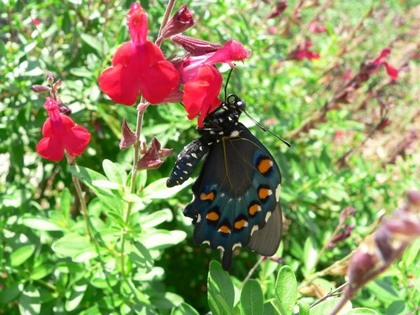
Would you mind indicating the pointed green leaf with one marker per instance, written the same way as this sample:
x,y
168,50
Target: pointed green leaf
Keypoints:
x,y
270,309
114,172
20,255
184,309
161,239
252,300
221,294
41,224
327,306
286,290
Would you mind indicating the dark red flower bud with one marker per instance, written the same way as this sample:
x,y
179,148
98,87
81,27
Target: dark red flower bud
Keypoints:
x,y
361,263
128,136
40,88
180,22
152,159
196,47
280,7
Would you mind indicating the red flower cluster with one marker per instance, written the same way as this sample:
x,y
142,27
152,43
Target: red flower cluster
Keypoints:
x,y
139,67
61,134
302,52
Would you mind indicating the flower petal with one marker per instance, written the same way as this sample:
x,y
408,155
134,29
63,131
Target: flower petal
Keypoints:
x,y
121,82
231,51
50,148
157,77
76,141
201,94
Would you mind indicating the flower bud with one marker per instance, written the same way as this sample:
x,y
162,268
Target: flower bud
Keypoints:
x,y
180,22
128,136
194,46
39,88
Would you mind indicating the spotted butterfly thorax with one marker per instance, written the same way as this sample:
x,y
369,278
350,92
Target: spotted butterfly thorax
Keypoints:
x,y
235,199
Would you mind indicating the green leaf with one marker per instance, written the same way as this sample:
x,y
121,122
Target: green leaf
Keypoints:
x,y
184,309
161,239
158,189
286,290
303,308
361,311
99,45
114,172
156,218
270,309
41,271
252,300
221,294
29,301
41,224
328,305
65,201
397,307
10,292
383,290
22,254
72,245
76,296
309,256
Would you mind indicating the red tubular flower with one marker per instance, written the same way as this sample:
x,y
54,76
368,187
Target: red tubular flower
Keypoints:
x,y
138,66
202,81
61,134
378,62
302,52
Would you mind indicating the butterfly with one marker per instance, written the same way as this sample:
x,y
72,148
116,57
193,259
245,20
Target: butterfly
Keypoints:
x,y
235,201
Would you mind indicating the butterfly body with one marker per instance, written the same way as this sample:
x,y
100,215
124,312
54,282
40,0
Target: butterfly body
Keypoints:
x,y
235,196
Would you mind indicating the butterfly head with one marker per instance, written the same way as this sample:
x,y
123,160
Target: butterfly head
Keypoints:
x,y
234,102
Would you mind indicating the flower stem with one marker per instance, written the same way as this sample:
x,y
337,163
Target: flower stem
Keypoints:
x,y
81,197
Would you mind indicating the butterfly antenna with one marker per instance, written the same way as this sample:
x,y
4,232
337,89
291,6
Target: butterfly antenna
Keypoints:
x,y
268,130
227,81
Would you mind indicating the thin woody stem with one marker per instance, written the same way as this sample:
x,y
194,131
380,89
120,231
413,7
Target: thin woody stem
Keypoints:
x,y
81,197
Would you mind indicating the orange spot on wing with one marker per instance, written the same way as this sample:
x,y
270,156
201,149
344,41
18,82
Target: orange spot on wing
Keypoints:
x,y
212,216
224,229
239,224
265,165
264,193
254,208
210,196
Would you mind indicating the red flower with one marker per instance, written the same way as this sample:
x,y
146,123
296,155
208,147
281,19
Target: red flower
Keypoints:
x,y
378,62
61,134
138,66
302,52
280,7
202,81
315,27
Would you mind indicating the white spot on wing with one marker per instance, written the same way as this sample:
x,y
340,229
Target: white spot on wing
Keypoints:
x,y
255,228
234,133
198,218
267,216
278,192
236,245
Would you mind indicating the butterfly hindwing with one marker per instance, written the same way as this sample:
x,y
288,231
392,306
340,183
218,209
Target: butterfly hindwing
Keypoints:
x,y
235,195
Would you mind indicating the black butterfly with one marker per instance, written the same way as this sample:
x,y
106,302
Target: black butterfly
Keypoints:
x,y
235,196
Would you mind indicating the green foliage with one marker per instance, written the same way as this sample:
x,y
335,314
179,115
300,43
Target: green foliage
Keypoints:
x,y
133,252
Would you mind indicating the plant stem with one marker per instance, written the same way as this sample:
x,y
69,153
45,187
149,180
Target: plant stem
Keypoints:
x,y
81,197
